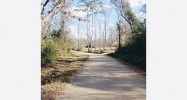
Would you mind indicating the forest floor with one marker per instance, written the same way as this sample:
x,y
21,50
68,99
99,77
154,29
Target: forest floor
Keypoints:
x,y
55,77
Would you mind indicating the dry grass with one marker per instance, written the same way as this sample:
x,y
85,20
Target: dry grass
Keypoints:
x,y
50,91
54,78
107,50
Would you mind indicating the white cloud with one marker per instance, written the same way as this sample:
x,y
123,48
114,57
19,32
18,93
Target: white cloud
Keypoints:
x,y
112,25
78,13
107,6
140,15
82,13
142,1
102,25
101,18
134,3
72,28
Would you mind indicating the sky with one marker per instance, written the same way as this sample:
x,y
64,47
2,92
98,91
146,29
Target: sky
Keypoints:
x,y
112,16
111,20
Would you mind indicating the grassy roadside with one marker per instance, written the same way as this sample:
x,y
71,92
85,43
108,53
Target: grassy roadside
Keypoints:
x,y
107,50
136,62
55,77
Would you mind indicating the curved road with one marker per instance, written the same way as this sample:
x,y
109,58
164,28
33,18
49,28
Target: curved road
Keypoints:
x,y
104,78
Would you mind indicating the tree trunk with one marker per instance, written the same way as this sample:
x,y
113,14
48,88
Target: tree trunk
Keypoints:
x,y
105,31
78,37
119,36
103,44
95,35
99,37
119,40
87,32
50,13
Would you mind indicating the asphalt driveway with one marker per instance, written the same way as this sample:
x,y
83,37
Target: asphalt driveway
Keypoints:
x,y
104,78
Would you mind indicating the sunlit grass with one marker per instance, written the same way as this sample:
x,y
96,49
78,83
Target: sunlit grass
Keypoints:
x,y
107,50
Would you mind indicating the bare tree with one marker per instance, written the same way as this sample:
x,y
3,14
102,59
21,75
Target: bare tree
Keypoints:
x,y
91,8
56,5
99,36
50,16
120,7
78,34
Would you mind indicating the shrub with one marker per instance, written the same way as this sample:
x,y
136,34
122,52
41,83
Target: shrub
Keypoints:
x,y
134,50
54,46
102,51
135,45
48,52
81,48
73,48
89,51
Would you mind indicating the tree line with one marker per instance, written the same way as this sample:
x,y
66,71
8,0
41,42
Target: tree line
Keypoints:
x,y
129,33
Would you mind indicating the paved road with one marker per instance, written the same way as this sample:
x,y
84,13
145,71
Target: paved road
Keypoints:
x,y
104,78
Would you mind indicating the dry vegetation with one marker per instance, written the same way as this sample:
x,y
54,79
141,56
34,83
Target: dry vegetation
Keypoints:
x,y
55,77
107,50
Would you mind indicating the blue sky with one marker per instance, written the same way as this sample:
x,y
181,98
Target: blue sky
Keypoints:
x,y
111,20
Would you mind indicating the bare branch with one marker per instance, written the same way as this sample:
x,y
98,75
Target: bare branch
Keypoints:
x,y
50,13
120,9
44,6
